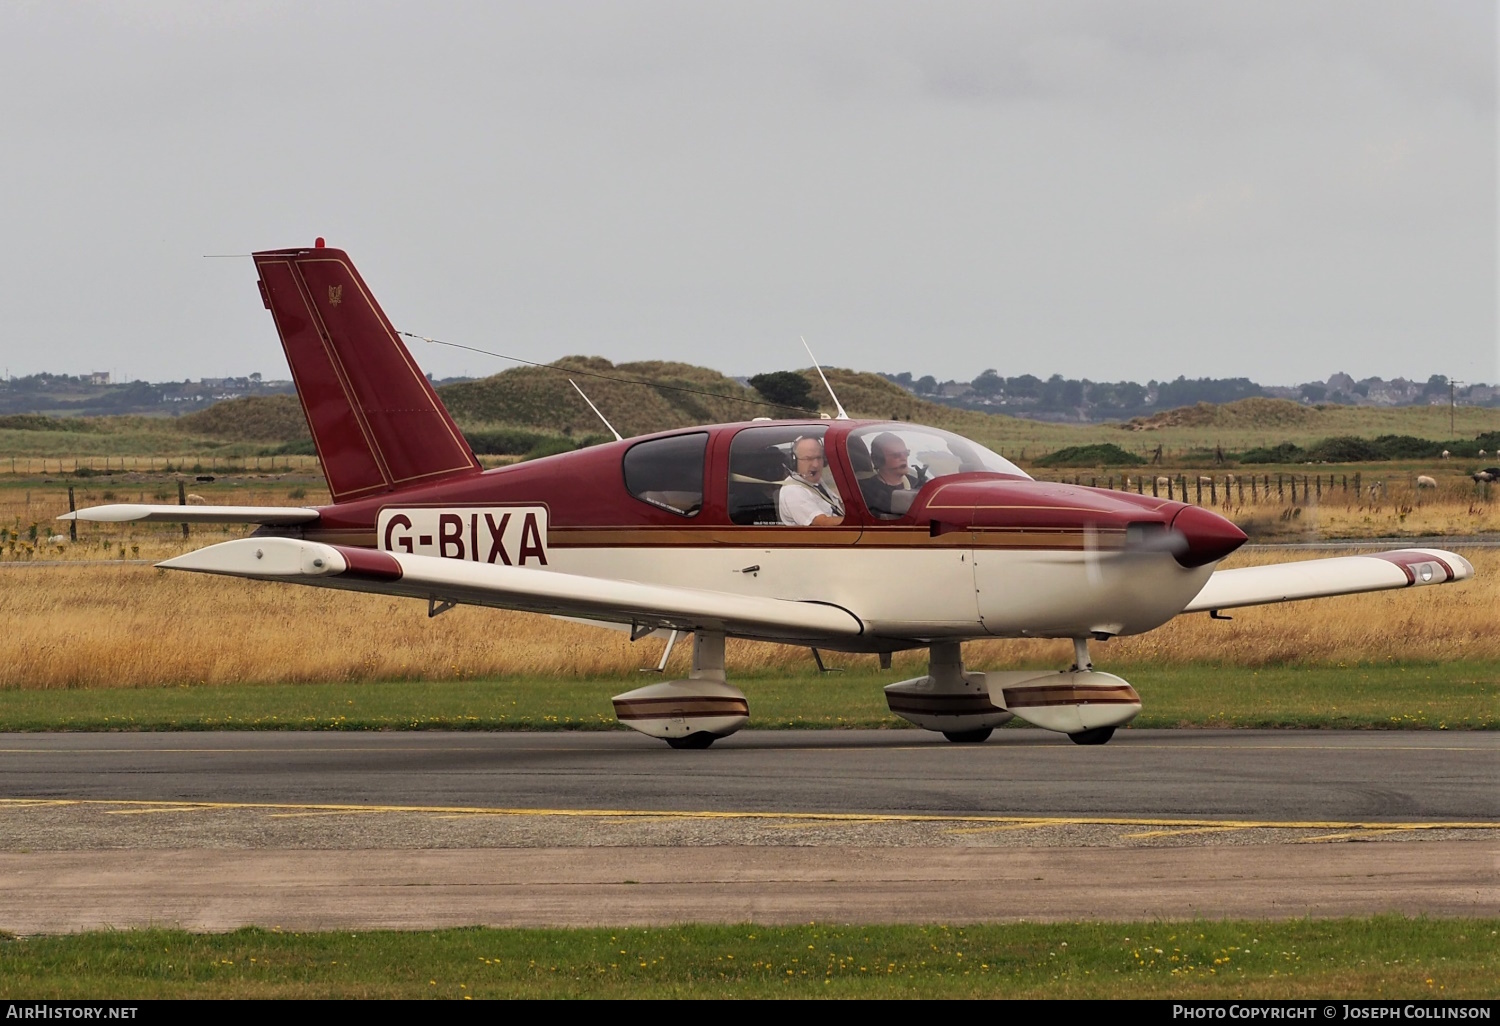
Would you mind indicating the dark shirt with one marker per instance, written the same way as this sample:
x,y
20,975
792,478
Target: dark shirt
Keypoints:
x,y
879,496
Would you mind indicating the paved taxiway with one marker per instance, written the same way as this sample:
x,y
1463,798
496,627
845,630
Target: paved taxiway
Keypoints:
x,y
362,830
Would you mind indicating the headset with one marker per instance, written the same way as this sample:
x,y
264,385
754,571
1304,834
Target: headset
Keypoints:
x,y
791,454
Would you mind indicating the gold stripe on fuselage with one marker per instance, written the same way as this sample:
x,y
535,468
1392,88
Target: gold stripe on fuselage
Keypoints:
x,y
1062,539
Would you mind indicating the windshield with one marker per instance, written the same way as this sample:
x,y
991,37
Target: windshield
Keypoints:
x,y
893,462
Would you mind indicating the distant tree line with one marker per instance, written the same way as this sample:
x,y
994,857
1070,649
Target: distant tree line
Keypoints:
x,y
1060,398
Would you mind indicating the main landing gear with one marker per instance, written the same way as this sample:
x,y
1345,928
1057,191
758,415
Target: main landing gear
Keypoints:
x,y
691,713
965,707
969,737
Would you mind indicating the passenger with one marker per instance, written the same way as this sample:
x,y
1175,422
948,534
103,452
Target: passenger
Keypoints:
x,y
889,455
804,500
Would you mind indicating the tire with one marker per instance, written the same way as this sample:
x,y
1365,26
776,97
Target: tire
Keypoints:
x,y
1097,736
969,737
696,741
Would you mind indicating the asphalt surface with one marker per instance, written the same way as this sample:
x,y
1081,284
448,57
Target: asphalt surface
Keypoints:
x,y
318,831
1281,775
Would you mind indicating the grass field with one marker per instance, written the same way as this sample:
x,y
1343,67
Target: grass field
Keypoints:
x,y
1443,696
96,626
1381,957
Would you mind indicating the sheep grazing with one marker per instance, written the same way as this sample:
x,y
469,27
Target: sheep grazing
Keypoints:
x,y
1447,455
1423,481
1487,474
194,499
1482,454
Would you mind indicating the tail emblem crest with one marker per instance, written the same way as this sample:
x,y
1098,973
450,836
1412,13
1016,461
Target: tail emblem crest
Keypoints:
x,y
335,295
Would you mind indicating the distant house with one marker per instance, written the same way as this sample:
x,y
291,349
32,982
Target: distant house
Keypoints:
x,y
99,378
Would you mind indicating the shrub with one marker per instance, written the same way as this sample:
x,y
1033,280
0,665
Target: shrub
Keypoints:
x,y
1286,452
1345,449
1105,455
1406,447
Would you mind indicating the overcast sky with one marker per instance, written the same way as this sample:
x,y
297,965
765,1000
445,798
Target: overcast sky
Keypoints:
x,y
1100,189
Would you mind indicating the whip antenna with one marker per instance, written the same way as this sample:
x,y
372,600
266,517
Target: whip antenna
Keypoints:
x,y
837,405
596,410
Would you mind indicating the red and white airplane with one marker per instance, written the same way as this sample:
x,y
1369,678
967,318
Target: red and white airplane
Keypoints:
x,y
846,535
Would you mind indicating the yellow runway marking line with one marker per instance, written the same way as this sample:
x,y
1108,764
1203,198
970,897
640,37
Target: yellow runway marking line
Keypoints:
x,y
804,817
150,812
1372,832
336,812
1181,833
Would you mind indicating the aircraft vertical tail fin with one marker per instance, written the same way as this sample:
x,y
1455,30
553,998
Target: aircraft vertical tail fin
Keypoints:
x,y
375,419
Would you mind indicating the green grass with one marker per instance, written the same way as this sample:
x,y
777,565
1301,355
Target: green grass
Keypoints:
x,y
1384,956
1452,696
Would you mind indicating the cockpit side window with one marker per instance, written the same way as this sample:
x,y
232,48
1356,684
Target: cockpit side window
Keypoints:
x,y
668,472
779,475
893,461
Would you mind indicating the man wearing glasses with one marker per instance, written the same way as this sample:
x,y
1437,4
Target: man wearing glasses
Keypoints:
x,y
805,500
892,474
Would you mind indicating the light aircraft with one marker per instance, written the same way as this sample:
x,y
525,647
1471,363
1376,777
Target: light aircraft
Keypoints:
x,y
923,539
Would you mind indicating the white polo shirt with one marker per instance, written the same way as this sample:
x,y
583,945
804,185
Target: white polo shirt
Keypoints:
x,y
798,502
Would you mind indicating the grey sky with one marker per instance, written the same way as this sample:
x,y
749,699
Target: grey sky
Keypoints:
x,y
1101,189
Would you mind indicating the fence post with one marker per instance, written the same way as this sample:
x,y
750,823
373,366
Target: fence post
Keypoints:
x,y
72,524
1154,493
182,501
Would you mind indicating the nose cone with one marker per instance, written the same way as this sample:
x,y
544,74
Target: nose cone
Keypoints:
x,y
1209,536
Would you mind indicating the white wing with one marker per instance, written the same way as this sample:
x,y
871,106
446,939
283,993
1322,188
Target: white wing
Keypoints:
x,y
123,512
1320,578
507,587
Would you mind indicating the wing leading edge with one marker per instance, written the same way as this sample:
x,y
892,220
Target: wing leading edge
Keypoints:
x,y
131,512
293,561
1321,578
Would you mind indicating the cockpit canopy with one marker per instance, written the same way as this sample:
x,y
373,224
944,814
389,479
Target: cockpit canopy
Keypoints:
x,y
893,461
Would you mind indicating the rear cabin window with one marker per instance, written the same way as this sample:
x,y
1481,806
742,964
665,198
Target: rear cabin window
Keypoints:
x,y
668,472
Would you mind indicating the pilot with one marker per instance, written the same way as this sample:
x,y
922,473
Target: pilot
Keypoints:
x,y
804,500
889,455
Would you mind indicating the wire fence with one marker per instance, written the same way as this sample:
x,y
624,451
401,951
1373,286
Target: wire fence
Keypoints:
x,y
188,464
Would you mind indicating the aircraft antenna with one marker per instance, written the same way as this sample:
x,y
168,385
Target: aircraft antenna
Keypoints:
x,y
837,405
596,410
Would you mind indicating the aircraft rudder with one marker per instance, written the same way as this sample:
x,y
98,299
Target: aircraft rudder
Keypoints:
x,y
376,421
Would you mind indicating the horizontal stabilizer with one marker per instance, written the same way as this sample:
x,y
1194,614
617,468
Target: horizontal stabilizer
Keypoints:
x,y
294,561
1321,578
130,512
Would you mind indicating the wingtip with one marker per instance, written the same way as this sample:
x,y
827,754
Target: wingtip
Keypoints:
x,y
261,557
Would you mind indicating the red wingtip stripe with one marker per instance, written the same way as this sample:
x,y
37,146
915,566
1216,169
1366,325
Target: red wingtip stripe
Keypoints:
x,y
1406,559
372,563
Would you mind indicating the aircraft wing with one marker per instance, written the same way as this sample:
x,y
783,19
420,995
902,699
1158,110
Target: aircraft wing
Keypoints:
x,y
123,512
1337,575
294,561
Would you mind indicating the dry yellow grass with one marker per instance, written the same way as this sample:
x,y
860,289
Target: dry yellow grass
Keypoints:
x,y
102,626
107,626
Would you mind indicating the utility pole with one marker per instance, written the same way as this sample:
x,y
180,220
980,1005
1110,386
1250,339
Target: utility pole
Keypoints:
x,y
1452,402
